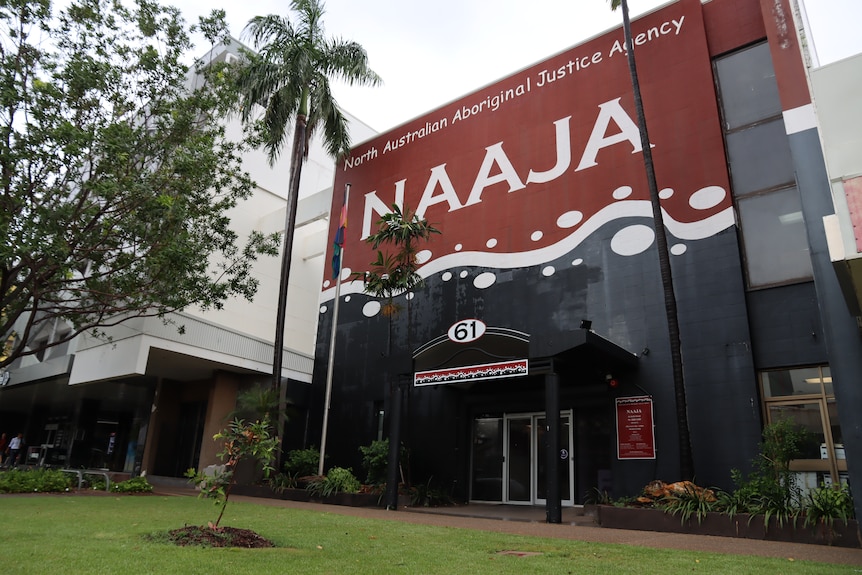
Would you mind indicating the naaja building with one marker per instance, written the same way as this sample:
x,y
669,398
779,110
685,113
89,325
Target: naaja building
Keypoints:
x,y
543,291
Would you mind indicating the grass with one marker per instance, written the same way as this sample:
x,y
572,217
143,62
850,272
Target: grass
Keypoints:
x,y
108,534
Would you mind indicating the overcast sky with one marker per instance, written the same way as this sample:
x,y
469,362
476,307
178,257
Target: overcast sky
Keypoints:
x,y
429,53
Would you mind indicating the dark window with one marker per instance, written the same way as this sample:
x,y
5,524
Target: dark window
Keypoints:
x,y
760,158
762,171
774,239
749,92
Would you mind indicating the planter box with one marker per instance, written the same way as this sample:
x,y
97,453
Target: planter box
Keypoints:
x,y
347,499
352,499
267,492
719,524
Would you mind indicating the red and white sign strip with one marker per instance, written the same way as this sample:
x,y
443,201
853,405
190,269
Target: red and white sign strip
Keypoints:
x,y
472,373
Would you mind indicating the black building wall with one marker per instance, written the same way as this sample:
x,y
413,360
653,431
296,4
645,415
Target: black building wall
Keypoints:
x,y
729,331
622,297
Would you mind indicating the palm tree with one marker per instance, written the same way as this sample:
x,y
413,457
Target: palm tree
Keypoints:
x,y
686,461
290,77
393,273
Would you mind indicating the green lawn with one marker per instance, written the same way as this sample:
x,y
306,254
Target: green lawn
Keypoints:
x,y
91,535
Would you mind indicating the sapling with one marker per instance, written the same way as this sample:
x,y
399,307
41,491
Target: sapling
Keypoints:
x,y
241,440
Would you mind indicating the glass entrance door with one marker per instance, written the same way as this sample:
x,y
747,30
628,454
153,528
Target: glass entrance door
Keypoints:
x,y
519,459
565,460
524,469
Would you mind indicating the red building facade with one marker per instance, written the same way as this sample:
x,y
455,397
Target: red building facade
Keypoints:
x,y
546,266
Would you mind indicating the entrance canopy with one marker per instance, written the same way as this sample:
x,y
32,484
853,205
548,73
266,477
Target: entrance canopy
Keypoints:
x,y
504,353
587,348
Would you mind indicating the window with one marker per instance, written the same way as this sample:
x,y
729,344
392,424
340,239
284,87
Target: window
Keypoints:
x,y
762,170
760,158
774,239
40,345
748,89
807,398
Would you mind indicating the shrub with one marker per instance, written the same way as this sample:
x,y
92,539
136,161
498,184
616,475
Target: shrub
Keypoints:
x,y
338,480
133,485
34,480
770,488
281,481
596,496
302,462
690,501
826,504
783,440
426,495
375,460
94,482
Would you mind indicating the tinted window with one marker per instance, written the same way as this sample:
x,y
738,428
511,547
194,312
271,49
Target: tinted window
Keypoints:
x,y
776,246
759,158
748,89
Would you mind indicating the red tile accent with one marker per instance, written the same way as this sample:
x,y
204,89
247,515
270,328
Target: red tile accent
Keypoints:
x,y
853,192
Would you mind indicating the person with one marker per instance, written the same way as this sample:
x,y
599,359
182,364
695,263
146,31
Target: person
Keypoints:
x,y
14,449
3,443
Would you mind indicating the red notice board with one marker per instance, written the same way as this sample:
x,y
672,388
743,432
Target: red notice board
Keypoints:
x,y
635,437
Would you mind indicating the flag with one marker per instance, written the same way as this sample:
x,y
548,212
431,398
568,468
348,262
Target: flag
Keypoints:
x,y
338,244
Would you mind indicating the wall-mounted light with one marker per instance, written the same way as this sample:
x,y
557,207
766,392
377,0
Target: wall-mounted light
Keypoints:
x,y
586,324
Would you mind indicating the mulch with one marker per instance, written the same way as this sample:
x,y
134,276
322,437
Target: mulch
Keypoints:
x,y
218,537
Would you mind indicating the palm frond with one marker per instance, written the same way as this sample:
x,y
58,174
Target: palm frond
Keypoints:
x,y
348,61
291,73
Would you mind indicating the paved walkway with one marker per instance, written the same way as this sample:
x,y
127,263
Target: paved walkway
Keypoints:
x,y
521,520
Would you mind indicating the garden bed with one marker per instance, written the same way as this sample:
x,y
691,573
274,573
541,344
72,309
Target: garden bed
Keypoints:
x,y
722,525
347,499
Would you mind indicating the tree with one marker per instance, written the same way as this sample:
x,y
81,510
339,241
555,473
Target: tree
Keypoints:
x,y
290,77
686,461
393,272
115,175
242,440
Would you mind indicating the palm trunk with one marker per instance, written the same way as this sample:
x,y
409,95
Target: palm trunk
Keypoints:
x,y
393,457
297,154
686,462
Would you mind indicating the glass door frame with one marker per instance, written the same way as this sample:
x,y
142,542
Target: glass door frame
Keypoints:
x,y
535,456
798,395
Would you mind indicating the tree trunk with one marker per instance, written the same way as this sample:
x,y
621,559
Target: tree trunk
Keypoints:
x,y
686,462
393,462
296,157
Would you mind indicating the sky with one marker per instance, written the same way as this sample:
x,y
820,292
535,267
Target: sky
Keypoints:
x,y
430,53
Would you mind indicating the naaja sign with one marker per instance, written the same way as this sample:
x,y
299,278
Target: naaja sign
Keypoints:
x,y
524,171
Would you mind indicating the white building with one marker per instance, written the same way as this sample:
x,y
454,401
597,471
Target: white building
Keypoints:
x,y
147,399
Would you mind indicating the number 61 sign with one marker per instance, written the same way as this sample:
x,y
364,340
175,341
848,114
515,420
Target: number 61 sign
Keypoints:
x,y
466,330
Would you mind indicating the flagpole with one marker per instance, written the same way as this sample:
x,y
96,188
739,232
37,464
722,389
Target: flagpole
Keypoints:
x,y
329,368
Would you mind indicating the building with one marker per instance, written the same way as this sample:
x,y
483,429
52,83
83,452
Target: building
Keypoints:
x,y
150,399
543,290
